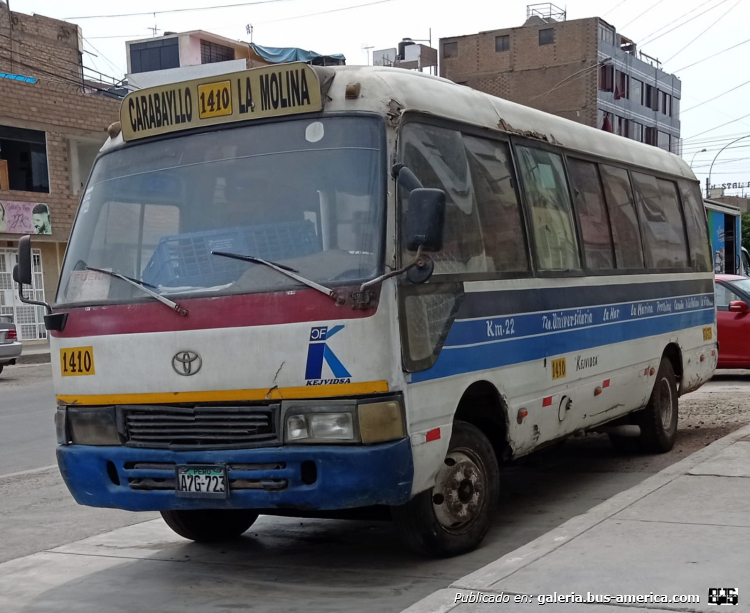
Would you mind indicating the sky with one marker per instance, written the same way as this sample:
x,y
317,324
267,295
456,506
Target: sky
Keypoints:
x,y
677,32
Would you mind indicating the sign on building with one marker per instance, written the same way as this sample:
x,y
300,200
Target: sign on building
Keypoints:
x,y
24,217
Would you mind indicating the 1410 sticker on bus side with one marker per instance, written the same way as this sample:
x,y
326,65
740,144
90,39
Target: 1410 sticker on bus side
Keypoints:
x,y
77,361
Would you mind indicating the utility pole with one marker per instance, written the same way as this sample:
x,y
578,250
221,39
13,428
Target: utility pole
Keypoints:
x,y
249,30
366,48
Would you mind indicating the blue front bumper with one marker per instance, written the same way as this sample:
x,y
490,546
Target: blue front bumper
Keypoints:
x,y
345,477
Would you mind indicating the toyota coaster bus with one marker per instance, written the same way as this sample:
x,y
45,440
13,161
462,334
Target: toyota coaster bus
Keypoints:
x,y
304,289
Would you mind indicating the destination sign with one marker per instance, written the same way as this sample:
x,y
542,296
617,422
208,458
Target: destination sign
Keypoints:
x,y
251,94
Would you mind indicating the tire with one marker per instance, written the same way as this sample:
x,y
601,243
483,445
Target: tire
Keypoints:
x,y
428,524
626,445
208,526
658,421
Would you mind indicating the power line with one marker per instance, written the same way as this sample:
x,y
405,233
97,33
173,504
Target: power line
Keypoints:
x,y
612,10
653,6
692,41
714,98
710,56
647,39
716,127
181,10
106,59
345,8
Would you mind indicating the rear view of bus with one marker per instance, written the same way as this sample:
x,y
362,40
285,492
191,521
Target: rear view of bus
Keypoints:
x,y
311,289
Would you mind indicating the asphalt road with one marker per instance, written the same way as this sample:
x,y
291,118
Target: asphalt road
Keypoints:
x,y
295,564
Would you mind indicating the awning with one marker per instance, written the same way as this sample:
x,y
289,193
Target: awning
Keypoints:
x,y
283,55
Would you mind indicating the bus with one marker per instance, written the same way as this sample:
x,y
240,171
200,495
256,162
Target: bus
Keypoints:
x,y
304,290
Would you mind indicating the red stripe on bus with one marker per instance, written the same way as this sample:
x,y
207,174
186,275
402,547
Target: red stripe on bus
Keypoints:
x,y
547,401
432,435
208,313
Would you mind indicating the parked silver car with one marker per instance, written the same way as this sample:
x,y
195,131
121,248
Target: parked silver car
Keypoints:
x,y
10,346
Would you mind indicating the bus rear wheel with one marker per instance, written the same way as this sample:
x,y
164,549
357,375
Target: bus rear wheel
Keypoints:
x,y
206,526
454,516
658,421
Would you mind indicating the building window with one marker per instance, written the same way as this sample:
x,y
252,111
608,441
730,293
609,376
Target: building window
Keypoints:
x,y
663,141
25,155
637,90
652,98
450,50
651,138
636,131
622,126
547,36
154,55
213,52
502,43
606,78
622,89
675,107
606,34
665,104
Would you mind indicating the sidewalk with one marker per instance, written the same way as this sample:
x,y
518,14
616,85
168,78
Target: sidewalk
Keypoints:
x,y
37,353
680,532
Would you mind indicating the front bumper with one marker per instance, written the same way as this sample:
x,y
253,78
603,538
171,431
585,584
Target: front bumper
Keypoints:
x,y
346,477
10,351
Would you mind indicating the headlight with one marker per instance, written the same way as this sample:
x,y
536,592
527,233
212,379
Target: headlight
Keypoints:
x,y
343,421
93,426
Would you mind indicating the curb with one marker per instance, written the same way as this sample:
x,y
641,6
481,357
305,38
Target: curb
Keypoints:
x,y
486,577
34,358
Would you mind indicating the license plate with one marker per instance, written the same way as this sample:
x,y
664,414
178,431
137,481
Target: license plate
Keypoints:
x,y
215,99
201,481
77,361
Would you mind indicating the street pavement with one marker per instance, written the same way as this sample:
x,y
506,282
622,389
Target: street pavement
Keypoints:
x,y
681,532
60,557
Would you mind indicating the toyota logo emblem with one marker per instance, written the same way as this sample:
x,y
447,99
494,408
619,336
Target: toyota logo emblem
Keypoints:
x,y
186,363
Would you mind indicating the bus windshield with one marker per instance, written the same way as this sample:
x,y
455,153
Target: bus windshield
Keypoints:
x,y
307,194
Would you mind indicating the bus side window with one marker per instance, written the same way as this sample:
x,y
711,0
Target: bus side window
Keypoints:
x,y
592,215
695,219
438,159
624,223
546,190
663,228
497,200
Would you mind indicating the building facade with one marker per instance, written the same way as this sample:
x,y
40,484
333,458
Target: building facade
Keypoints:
x,y
51,128
581,69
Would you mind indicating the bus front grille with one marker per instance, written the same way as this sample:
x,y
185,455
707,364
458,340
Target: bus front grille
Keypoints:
x,y
200,427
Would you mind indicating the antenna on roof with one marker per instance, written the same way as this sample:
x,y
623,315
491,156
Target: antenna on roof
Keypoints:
x,y
249,29
366,48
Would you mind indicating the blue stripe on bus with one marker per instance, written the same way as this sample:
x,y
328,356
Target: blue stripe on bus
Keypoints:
x,y
492,329
454,360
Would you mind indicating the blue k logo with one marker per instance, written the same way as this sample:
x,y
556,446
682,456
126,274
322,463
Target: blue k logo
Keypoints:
x,y
319,351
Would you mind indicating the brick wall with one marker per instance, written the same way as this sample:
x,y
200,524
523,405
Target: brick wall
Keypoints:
x,y
42,46
528,71
63,114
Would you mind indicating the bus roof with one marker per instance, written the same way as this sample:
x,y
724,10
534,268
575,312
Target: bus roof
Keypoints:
x,y
394,90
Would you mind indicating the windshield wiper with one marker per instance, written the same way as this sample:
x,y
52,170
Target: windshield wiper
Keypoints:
x,y
143,286
284,270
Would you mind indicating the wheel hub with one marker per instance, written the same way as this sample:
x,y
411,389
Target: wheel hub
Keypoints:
x,y
458,494
665,403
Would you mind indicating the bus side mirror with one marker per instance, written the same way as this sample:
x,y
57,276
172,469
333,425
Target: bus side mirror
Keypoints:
x,y
425,219
22,270
738,306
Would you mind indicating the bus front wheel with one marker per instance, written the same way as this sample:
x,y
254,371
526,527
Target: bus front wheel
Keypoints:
x,y
454,516
205,526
